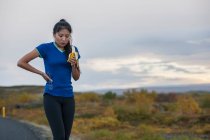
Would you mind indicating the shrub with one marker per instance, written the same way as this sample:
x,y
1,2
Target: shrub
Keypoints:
x,y
87,97
109,112
86,125
205,101
187,105
109,95
142,101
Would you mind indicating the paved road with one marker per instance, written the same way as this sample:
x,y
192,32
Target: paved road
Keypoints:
x,y
14,130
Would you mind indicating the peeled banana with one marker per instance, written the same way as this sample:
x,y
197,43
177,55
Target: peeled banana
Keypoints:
x,y
73,54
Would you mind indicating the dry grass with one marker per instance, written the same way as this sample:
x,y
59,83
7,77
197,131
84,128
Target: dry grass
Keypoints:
x,y
134,115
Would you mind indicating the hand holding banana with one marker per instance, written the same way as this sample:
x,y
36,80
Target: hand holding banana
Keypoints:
x,y
73,57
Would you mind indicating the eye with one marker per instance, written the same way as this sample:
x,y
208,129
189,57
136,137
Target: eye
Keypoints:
x,y
67,36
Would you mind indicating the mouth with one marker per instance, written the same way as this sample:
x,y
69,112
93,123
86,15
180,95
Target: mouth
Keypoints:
x,y
63,44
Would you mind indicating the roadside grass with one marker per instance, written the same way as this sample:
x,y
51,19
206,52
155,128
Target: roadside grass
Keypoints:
x,y
135,115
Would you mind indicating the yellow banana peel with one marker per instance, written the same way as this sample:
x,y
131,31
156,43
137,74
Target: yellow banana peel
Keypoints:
x,y
71,56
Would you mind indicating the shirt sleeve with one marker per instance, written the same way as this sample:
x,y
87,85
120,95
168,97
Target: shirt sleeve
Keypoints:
x,y
41,50
77,52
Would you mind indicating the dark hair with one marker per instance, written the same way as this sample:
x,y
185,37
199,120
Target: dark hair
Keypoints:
x,y
63,24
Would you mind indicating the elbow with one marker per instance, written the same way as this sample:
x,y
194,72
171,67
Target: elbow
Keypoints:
x,y
76,78
20,63
76,75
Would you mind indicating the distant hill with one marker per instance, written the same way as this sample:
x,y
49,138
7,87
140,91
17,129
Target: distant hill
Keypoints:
x,y
158,89
165,89
22,88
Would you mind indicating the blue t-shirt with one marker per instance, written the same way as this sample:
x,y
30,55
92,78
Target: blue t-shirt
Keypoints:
x,y
58,69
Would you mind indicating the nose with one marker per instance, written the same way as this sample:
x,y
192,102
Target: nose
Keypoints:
x,y
63,38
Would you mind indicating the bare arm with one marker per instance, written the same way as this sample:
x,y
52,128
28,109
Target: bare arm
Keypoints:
x,y
24,63
75,69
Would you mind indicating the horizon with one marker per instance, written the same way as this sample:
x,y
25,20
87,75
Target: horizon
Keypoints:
x,y
159,89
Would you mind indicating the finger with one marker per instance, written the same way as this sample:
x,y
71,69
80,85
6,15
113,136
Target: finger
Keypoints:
x,y
47,78
72,61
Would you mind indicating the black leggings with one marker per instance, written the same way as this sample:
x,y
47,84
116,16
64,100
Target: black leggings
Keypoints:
x,y
60,115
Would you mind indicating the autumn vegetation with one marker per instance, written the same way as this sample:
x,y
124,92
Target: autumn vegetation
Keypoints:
x,y
134,115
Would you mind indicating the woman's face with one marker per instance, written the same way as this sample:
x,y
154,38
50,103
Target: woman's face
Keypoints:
x,y
62,37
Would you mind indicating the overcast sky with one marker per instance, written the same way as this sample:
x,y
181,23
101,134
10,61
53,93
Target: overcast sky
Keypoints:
x,y
122,43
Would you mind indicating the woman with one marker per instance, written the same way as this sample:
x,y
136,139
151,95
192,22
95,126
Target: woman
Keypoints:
x,y
59,102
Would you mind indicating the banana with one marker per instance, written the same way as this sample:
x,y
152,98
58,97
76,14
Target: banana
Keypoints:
x,y
73,54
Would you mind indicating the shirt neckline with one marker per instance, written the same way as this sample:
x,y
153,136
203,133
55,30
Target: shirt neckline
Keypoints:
x,y
58,47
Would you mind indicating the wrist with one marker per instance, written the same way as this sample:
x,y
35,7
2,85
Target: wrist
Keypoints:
x,y
41,73
73,66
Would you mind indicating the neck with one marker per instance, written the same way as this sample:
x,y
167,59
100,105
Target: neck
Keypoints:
x,y
61,48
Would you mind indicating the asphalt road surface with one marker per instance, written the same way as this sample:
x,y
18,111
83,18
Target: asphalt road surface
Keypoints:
x,y
14,130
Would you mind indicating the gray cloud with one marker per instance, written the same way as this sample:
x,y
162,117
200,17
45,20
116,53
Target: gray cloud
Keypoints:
x,y
177,69
173,31
2,68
